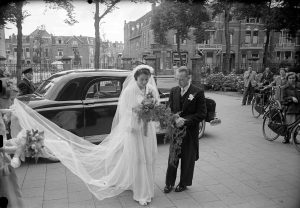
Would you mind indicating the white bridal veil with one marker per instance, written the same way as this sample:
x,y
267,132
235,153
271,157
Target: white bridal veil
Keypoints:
x,y
108,168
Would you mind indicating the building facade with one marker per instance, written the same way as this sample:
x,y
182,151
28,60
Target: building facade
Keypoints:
x,y
247,39
40,47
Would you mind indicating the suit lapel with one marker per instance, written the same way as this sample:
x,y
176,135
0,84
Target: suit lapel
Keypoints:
x,y
186,96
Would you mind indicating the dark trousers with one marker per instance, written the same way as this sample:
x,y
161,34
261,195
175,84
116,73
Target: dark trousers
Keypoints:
x,y
248,95
186,174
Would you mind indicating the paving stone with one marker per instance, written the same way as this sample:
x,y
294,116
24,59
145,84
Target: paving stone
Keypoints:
x,y
55,194
79,196
186,203
56,203
33,192
81,204
204,196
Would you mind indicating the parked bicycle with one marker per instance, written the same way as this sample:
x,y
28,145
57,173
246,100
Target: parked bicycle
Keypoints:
x,y
274,125
262,100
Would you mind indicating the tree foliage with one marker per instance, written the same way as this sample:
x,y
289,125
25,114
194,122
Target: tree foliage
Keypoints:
x,y
177,16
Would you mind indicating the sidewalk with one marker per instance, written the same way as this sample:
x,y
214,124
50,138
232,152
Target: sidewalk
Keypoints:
x,y
237,168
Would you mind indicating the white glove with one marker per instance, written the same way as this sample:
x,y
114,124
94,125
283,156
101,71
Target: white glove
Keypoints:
x,y
295,100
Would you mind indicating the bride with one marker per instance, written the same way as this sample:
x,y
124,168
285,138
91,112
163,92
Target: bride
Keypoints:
x,y
125,160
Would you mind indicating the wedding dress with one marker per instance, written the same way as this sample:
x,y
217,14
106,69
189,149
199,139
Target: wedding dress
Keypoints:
x,y
125,160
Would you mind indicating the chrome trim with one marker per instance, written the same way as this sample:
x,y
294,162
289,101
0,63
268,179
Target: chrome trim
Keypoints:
x,y
92,104
60,107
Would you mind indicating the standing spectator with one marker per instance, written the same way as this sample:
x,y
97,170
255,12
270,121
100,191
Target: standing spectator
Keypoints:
x,y
249,84
279,82
26,86
291,95
267,77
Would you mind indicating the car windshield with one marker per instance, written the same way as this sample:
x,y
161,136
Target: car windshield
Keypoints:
x,y
47,85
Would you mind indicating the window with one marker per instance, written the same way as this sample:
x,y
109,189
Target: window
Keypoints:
x,y
69,92
248,36
60,52
74,42
46,52
231,38
287,54
255,56
59,41
27,50
252,20
244,58
255,36
8,52
109,88
278,55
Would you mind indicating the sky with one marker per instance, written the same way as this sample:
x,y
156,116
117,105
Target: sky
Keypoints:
x,y
111,26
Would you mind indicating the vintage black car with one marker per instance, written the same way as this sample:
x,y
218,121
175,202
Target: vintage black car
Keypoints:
x,y
81,101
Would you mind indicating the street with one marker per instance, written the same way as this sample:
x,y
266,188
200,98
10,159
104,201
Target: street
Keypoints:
x,y
237,168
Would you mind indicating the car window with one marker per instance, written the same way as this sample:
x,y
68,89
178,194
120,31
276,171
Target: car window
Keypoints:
x,y
45,87
70,91
104,88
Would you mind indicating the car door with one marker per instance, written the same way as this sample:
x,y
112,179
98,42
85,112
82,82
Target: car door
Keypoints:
x,y
100,104
67,110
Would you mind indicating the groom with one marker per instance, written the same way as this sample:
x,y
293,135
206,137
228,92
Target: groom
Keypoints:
x,y
189,101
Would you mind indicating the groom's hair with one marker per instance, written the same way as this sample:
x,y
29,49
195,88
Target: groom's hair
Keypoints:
x,y
184,69
142,71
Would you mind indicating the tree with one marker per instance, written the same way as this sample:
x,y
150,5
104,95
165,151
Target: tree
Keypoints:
x,y
224,7
177,16
13,12
109,6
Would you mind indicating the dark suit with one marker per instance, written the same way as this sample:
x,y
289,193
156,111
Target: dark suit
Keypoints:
x,y
267,78
193,111
26,87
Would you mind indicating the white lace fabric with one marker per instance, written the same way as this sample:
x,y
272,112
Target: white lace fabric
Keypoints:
x,y
125,160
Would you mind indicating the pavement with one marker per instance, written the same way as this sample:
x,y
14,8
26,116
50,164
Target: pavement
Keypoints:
x,y
237,168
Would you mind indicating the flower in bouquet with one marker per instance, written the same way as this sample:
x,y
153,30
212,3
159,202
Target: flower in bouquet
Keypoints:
x,y
34,144
145,111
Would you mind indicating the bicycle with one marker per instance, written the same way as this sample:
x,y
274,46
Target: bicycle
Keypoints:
x,y
262,100
274,121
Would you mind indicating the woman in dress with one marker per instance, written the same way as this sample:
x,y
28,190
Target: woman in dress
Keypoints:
x,y
125,160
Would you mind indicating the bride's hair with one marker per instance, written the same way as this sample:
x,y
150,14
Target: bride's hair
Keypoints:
x,y
140,71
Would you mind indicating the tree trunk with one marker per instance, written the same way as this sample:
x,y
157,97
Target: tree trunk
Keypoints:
x,y
19,19
227,39
97,36
178,48
266,49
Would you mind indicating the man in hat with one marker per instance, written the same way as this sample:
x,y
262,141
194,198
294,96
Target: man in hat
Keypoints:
x,y
26,85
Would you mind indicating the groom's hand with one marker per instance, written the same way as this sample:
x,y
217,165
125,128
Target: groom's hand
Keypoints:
x,y
179,122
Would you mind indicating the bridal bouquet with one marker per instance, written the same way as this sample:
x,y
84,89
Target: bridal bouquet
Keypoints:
x,y
149,110
173,134
146,111
34,144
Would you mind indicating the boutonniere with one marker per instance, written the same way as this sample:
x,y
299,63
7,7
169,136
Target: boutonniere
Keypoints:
x,y
191,97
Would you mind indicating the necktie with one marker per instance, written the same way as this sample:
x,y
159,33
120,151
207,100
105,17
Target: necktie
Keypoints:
x,y
182,91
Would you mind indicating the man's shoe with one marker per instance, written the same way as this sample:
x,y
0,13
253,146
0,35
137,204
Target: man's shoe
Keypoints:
x,y
180,188
215,121
168,189
285,142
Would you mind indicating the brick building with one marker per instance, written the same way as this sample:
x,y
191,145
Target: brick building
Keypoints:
x,y
247,38
42,47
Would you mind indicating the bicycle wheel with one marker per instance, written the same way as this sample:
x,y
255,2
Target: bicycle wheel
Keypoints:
x,y
296,137
272,118
255,106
